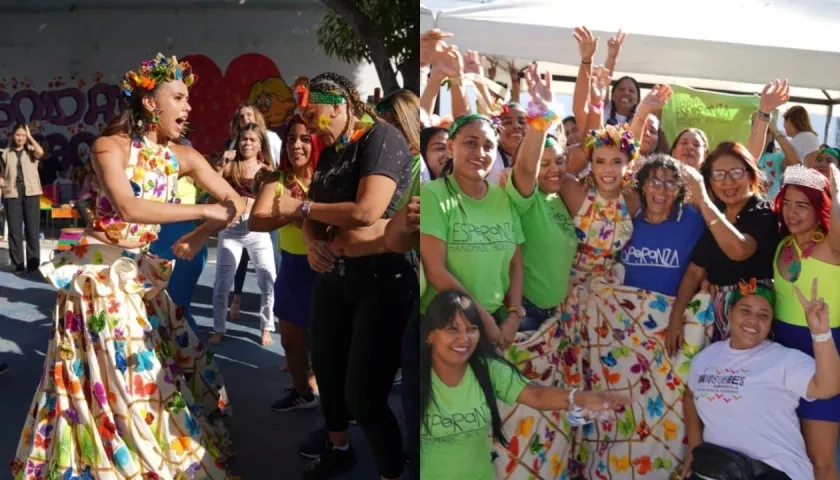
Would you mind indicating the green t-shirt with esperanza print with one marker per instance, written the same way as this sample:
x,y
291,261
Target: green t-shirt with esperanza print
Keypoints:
x,y
548,254
481,237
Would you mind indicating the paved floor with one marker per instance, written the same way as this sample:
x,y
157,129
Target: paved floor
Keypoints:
x,y
266,441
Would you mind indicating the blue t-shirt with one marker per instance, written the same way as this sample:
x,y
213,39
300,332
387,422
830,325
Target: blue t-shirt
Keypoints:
x,y
657,255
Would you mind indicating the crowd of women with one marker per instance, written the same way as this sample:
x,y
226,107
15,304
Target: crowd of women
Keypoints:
x,y
128,389
604,306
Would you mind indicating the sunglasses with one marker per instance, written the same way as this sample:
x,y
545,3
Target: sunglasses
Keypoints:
x,y
657,183
733,173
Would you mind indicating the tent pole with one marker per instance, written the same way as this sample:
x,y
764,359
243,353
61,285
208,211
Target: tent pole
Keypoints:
x,y
830,113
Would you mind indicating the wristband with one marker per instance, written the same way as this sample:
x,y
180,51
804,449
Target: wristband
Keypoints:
x,y
821,337
597,107
763,115
304,208
575,414
586,63
540,116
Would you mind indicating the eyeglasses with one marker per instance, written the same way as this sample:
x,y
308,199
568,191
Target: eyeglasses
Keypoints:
x,y
736,173
657,183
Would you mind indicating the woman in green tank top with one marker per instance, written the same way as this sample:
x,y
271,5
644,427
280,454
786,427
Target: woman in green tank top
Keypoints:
x,y
808,206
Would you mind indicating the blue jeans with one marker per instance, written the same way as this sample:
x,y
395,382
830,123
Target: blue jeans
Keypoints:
x,y
184,279
534,316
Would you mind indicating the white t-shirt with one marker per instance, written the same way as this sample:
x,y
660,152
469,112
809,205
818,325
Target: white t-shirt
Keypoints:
x,y
496,169
747,400
805,143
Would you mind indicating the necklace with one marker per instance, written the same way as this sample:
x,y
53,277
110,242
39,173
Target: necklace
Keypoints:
x,y
795,264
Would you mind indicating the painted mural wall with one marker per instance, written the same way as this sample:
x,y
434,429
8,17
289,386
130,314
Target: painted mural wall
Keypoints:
x,y
59,71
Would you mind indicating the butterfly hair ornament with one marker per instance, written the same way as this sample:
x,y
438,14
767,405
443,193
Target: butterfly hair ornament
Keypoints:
x,y
753,287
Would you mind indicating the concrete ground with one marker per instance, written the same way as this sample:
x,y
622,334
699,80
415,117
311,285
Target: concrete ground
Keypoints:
x,y
266,441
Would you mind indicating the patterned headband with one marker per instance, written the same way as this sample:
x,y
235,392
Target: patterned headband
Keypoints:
x,y
155,72
752,287
465,119
804,177
304,96
610,136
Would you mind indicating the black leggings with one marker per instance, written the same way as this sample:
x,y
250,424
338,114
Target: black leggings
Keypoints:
x,y
241,271
411,393
359,312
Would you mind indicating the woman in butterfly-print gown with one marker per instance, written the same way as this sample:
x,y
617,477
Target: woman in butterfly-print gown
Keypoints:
x,y
127,390
541,443
625,317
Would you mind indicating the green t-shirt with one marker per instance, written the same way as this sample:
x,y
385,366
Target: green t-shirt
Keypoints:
x,y
548,254
457,443
481,237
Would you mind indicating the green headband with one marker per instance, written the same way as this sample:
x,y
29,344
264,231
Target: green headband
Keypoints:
x,y
754,288
831,151
465,119
326,98
383,107
550,142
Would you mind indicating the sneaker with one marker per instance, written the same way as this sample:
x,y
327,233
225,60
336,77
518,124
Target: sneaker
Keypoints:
x,y
331,464
294,401
315,445
3,368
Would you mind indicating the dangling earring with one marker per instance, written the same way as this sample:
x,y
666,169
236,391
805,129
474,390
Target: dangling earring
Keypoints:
x,y
818,236
154,122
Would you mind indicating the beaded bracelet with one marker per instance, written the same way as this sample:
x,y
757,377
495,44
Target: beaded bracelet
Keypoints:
x,y
540,116
763,115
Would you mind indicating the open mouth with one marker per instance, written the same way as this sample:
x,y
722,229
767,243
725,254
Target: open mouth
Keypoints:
x,y
477,164
730,192
608,180
462,350
658,200
750,330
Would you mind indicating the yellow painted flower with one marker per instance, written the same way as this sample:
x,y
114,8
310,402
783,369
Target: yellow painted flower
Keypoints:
x,y
139,174
324,122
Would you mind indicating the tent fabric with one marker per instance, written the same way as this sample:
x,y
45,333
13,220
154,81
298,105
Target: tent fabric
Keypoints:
x,y
427,19
755,41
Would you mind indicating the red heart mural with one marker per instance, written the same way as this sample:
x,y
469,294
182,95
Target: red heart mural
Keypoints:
x,y
214,97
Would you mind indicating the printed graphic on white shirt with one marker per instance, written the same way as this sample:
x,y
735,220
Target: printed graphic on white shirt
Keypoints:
x,y
720,384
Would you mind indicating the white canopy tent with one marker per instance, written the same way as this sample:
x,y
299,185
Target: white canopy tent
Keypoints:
x,y
743,41
427,19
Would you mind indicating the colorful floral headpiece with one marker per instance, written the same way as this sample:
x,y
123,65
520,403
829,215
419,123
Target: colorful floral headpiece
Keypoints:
x,y
465,119
802,176
304,96
155,72
499,110
612,136
752,287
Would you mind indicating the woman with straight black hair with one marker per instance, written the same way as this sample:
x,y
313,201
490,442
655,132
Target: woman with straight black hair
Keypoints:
x,y
461,378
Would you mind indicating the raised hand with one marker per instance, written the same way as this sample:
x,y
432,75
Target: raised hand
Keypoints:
x,y
816,310
614,44
451,62
432,46
695,181
587,43
473,62
600,84
657,98
540,90
774,95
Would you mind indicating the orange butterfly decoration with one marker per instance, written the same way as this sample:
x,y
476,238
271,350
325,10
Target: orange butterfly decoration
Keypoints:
x,y
748,288
143,390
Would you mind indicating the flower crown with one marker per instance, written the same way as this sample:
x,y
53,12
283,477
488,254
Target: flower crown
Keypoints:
x,y
612,136
804,177
155,72
304,96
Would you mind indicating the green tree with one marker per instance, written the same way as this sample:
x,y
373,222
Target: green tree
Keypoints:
x,y
382,32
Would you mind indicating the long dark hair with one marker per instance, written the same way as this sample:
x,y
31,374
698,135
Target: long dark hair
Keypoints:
x,y
11,144
612,120
661,161
440,314
426,136
132,115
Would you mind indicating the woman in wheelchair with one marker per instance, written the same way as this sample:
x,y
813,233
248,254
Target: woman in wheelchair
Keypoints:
x,y
740,407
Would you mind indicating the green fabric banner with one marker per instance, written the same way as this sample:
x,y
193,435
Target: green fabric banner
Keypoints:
x,y
721,116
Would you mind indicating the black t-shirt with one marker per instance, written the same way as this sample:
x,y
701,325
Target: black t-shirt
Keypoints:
x,y
381,151
757,220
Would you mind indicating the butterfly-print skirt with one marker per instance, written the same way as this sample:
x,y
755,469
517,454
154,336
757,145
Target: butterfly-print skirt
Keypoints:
x,y
127,389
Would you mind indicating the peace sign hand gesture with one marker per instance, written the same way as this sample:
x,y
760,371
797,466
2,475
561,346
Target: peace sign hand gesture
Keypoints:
x,y
587,43
816,310
614,44
774,95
